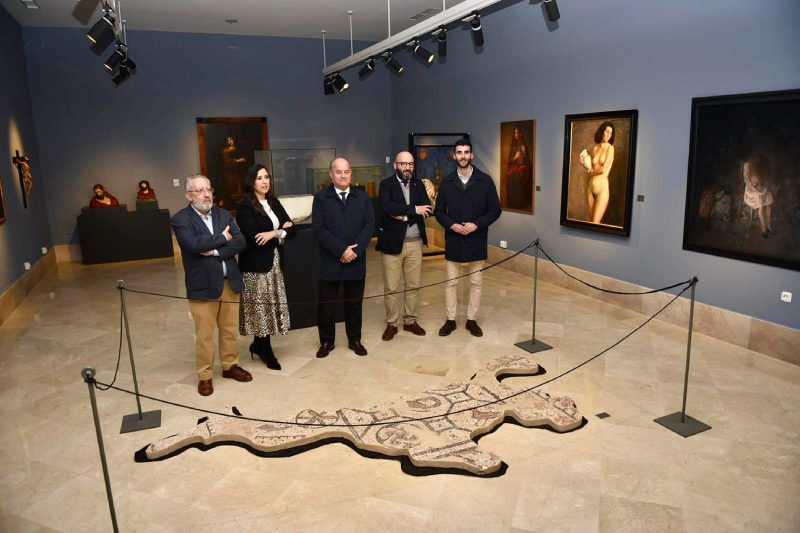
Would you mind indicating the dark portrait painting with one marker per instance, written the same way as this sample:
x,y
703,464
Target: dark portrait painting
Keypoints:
x,y
433,162
227,147
743,187
599,161
517,162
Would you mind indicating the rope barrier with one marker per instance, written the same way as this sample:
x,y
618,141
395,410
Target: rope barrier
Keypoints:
x,y
405,419
259,302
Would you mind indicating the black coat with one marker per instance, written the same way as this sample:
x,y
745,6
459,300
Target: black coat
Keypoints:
x,y
257,258
478,204
336,226
392,232
204,277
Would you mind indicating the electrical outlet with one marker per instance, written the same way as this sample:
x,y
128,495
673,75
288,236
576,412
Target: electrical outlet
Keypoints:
x,y
44,250
786,296
388,159
538,187
503,244
176,182
27,265
640,197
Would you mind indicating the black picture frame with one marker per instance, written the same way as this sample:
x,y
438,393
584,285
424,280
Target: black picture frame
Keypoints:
x,y
3,213
437,146
578,178
742,167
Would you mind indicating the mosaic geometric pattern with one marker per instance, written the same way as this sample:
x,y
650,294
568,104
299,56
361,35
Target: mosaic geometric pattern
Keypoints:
x,y
435,429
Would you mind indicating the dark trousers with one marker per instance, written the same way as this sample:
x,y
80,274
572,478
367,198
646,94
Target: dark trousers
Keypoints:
x,y
352,294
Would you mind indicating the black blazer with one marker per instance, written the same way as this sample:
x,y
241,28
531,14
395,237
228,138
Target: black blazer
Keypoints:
x,y
392,232
204,277
478,204
255,258
336,226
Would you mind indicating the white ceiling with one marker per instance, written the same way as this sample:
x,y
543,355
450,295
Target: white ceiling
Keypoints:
x,y
285,18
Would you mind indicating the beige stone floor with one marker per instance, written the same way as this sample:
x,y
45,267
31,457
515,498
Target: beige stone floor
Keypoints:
x,y
623,473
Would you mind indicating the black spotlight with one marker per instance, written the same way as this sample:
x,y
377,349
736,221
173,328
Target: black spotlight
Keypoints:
x,y
102,33
114,59
121,76
477,31
441,40
551,8
421,52
394,64
339,84
127,62
369,66
328,87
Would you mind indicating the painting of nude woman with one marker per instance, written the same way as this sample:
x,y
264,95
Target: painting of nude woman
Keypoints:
x,y
599,155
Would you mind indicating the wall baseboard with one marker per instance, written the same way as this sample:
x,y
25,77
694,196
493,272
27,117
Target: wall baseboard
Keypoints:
x,y
16,293
68,253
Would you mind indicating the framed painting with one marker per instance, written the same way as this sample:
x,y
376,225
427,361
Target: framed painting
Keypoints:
x,y
517,163
227,148
3,215
599,162
743,186
433,155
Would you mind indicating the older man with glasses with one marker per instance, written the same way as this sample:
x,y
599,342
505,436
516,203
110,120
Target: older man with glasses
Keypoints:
x,y
209,240
405,206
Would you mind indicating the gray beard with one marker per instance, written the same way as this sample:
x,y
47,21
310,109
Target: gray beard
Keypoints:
x,y
203,207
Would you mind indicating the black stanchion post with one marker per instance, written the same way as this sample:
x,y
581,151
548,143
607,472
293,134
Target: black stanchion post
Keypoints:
x,y
533,345
88,374
139,420
680,422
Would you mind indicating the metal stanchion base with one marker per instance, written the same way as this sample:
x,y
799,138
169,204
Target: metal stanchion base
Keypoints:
x,y
533,346
690,426
149,420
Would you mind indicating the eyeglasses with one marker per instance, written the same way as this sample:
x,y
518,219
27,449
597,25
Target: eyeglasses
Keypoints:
x,y
201,191
404,163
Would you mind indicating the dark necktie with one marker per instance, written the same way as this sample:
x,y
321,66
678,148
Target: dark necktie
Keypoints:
x,y
344,197
405,182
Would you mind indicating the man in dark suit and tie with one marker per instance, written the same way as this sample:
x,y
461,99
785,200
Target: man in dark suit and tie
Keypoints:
x,y
209,240
405,206
343,222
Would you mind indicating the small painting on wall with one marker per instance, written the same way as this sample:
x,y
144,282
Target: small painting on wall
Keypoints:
x,y
743,186
227,148
599,161
3,215
517,162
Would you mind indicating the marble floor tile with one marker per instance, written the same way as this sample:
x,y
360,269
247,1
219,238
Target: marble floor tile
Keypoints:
x,y
621,473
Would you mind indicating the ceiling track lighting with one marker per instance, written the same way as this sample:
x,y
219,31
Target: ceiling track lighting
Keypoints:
x,y
339,83
121,76
393,63
551,8
474,20
115,58
369,66
328,86
104,30
441,40
421,52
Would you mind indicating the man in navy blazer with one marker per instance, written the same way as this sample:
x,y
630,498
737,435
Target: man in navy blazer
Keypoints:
x,y
466,205
209,240
405,206
343,222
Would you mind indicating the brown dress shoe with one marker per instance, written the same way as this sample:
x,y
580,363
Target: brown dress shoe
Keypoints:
x,y
414,328
448,328
474,328
238,373
325,349
205,388
389,332
358,348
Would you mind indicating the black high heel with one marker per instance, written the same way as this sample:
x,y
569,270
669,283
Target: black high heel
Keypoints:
x,y
268,356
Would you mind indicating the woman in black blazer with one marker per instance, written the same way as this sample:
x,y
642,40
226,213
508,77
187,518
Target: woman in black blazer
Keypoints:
x,y
265,225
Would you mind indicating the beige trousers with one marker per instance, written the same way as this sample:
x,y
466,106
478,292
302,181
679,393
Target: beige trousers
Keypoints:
x,y
211,314
454,270
405,266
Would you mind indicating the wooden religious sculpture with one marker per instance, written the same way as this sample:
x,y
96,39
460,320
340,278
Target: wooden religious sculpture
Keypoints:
x,y
23,164
434,429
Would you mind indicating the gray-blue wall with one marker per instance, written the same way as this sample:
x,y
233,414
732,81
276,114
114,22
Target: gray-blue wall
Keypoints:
x,y
603,56
25,231
90,131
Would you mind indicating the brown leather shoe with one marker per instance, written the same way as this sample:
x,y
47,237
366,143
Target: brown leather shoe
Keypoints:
x,y
414,328
474,328
448,328
238,373
358,348
389,332
205,388
325,349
